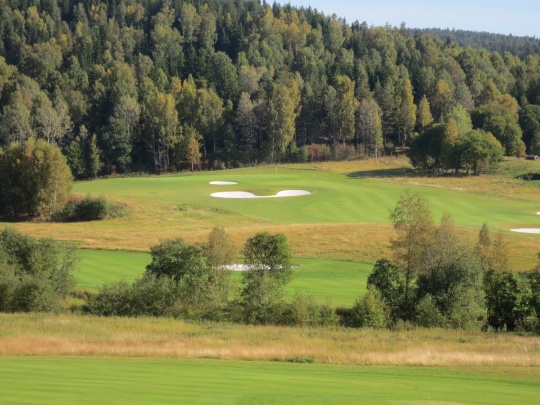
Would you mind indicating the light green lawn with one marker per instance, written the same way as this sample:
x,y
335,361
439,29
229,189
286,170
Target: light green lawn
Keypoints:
x,y
341,282
336,198
79,380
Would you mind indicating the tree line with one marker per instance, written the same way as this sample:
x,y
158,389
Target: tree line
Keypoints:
x,y
521,46
155,85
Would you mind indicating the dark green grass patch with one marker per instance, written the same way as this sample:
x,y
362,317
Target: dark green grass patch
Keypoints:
x,y
57,380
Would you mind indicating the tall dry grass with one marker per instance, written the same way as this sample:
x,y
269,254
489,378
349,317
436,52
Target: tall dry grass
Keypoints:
x,y
36,334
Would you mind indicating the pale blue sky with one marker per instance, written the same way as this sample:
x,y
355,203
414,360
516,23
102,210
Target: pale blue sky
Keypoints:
x,y
516,17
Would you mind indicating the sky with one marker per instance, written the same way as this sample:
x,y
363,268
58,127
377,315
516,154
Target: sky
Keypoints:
x,y
516,17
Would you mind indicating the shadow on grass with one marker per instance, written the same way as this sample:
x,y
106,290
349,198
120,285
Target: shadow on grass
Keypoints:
x,y
11,219
405,172
385,173
529,176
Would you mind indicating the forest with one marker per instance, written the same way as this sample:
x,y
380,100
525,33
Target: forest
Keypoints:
x,y
156,86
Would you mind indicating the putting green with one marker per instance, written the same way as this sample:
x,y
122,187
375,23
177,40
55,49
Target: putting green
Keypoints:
x,y
54,380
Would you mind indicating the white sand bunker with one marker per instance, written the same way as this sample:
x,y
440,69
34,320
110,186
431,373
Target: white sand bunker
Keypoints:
x,y
245,194
527,230
223,183
247,267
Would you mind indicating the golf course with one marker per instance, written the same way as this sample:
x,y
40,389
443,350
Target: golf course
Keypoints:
x,y
336,234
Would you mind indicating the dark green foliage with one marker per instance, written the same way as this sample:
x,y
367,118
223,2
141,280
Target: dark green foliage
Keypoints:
x,y
370,311
390,282
501,43
501,298
436,279
177,260
303,310
497,120
473,152
268,257
112,300
427,313
529,119
35,274
264,78
75,159
476,152
177,283
83,209
426,152
34,179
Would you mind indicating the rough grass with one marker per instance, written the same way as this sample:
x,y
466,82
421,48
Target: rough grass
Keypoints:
x,y
53,380
72,335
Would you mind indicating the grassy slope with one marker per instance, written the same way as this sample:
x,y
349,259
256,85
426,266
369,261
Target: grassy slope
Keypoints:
x,y
345,218
340,282
336,198
165,381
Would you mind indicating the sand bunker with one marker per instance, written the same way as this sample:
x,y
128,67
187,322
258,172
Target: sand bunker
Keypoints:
x,y
223,183
246,267
527,230
245,194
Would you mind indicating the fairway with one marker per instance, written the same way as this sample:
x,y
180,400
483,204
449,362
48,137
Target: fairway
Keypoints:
x,y
340,282
69,380
346,217
336,198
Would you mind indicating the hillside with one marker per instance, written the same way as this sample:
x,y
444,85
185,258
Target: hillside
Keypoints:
x,y
156,86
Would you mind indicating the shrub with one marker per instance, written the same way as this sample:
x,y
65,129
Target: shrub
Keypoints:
x,y
8,284
370,311
34,294
344,152
297,154
40,258
318,152
34,179
262,300
83,209
303,310
176,259
112,300
427,313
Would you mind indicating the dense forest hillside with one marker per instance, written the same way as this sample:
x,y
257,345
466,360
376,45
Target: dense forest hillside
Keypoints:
x,y
154,85
516,45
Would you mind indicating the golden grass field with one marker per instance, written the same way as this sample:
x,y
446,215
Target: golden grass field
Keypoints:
x,y
37,334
